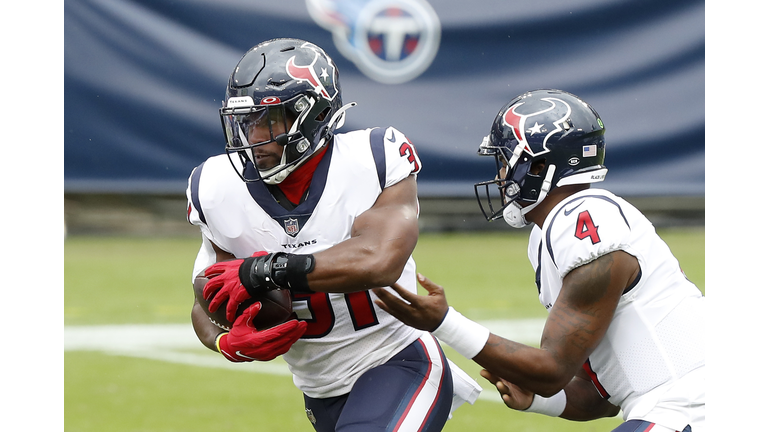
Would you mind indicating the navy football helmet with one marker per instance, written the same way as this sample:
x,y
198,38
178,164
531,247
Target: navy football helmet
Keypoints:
x,y
279,81
549,126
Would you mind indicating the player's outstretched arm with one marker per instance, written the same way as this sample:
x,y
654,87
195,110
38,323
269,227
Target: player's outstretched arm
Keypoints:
x,y
382,240
581,401
576,324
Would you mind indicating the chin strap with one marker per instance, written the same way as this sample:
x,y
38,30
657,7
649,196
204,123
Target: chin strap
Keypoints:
x,y
546,186
514,214
339,117
519,148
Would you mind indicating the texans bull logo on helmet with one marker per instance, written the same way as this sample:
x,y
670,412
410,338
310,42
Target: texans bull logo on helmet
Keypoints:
x,y
526,119
323,83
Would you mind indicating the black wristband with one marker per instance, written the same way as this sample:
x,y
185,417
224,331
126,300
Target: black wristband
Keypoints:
x,y
275,271
296,270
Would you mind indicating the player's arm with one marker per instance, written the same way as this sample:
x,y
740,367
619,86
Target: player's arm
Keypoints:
x,y
576,324
382,240
205,330
582,401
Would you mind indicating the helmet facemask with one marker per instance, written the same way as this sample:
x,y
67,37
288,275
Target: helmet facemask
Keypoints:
x,y
249,127
518,183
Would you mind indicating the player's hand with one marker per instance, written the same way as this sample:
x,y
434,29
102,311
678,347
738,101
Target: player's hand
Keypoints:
x,y
423,312
224,285
244,343
513,396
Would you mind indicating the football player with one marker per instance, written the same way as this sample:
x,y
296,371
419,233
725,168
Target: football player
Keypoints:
x,y
293,205
624,326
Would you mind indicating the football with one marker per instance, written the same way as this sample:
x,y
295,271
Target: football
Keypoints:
x,y
276,307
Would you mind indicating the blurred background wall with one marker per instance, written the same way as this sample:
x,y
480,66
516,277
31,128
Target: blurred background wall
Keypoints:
x,y
143,80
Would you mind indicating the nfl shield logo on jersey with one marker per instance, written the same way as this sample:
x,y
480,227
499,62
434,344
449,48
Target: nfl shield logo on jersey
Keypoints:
x,y
291,226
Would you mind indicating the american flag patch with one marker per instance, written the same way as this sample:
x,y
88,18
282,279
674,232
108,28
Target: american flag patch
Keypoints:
x,y
589,150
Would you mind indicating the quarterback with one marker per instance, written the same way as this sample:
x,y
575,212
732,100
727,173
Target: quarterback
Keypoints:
x,y
623,332
293,205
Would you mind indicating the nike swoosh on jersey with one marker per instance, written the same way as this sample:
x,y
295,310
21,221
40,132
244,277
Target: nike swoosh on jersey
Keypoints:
x,y
392,139
568,212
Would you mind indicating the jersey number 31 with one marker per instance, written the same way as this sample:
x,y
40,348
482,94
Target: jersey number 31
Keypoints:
x,y
322,318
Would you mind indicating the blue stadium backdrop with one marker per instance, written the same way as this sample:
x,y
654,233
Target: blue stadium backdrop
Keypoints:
x,y
143,81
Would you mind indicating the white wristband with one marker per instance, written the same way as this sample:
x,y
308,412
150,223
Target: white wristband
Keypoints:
x,y
462,334
551,406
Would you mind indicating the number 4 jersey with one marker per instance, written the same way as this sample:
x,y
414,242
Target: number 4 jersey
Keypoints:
x,y
347,333
655,337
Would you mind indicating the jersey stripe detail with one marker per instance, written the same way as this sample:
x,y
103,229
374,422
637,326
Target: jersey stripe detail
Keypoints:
x,y
194,191
538,271
377,148
587,366
416,414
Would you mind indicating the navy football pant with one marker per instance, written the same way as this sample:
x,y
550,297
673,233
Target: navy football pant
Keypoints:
x,y
410,392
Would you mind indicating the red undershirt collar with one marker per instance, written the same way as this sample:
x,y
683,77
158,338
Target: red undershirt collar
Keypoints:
x,y
298,181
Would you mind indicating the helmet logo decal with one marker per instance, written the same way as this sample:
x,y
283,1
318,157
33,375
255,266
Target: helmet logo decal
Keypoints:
x,y
516,118
270,100
309,73
536,128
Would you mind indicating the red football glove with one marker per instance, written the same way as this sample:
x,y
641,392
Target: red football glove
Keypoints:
x,y
244,343
224,282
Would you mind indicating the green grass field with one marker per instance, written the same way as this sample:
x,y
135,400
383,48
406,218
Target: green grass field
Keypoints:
x,y
122,281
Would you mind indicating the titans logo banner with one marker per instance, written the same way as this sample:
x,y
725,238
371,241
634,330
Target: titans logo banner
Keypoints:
x,y
390,41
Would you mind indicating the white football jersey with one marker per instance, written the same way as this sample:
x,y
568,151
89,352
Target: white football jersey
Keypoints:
x,y
347,333
656,336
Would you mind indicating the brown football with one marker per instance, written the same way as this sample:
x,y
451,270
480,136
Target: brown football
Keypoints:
x,y
276,307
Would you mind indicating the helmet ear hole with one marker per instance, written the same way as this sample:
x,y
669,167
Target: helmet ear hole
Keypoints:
x,y
323,114
537,167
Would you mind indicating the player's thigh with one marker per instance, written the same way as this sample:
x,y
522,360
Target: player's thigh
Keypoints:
x,y
411,391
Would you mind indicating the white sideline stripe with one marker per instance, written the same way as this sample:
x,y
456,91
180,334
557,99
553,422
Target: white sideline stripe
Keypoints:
x,y
173,343
177,343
